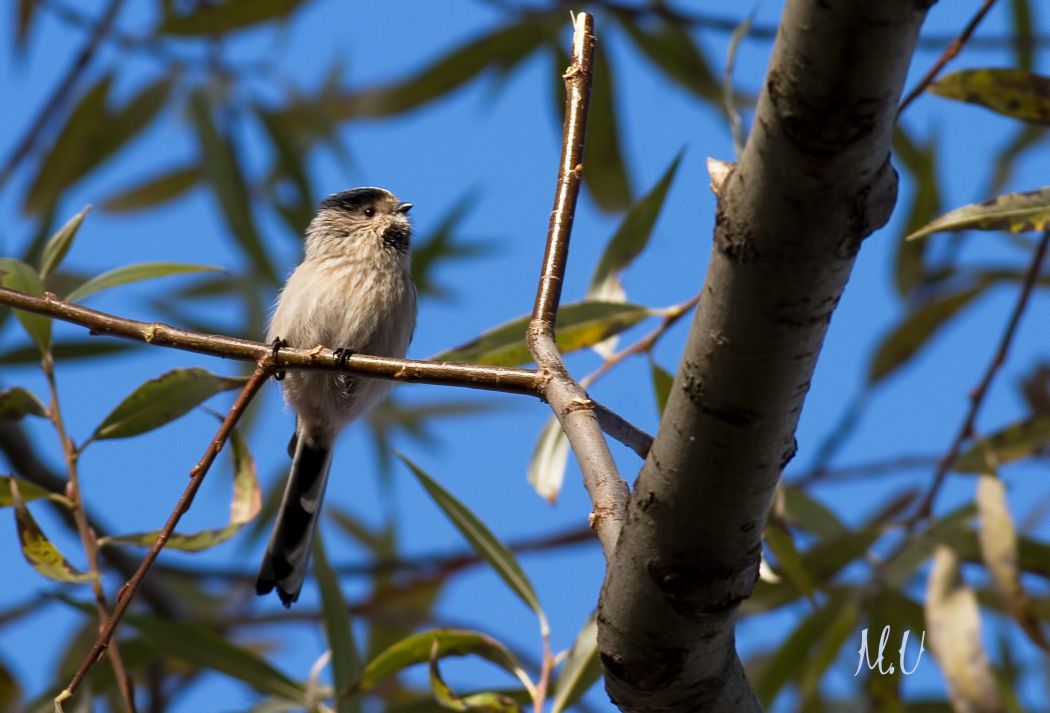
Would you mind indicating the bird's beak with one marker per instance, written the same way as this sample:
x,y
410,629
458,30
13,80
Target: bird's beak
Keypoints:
x,y
404,208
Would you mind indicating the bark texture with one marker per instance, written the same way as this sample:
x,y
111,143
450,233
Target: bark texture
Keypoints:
x,y
814,179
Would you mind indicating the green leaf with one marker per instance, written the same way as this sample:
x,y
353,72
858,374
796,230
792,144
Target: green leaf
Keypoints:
x,y
442,245
547,465
921,162
60,242
662,383
162,400
808,513
670,47
1014,442
417,649
605,174
631,237
346,661
220,18
135,273
28,491
37,549
486,702
16,403
202,647
481,539
580,325
919,549
780,542
10,691
1015,93
153,191
1013,212
71,349
916,330
16,275
581,669
1023,39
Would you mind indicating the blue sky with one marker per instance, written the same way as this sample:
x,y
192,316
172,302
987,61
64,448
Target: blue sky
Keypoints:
x,y
498,142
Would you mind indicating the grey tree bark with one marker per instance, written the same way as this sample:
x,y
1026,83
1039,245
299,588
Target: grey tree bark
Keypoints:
x,y
814,179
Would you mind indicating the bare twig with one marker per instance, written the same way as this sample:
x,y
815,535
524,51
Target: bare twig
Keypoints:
x,y
50,108
950,52
966,430
127,592
87,537
571,405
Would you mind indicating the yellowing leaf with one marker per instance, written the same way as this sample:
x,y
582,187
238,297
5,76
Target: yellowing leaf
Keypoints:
x,y
547,466
485,702
39,551
1016,441
1013,212
27,490
1014,92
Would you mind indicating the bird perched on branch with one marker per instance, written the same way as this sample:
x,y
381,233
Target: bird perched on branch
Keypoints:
x,y
353,291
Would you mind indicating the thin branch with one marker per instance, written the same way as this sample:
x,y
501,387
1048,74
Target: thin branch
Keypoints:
x,y
127,592
966,430
571,405
50,108
950,52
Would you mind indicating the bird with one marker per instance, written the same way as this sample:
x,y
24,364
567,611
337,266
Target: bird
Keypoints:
x,y
354,291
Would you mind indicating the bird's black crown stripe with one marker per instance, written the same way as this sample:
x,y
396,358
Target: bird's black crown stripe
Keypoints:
x,y
354,199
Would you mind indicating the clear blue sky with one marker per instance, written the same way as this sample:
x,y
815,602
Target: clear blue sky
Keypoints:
x,y
498,141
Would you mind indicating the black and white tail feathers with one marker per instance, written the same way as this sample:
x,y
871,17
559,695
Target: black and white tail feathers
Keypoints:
x,y
288,554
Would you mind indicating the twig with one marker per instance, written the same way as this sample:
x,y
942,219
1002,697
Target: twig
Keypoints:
x,y
87,537
50,108
950,52
849,473
571,405
127,592
977,395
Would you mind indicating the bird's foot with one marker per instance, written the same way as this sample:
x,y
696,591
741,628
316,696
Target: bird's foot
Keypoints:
x,y
278,344
342,355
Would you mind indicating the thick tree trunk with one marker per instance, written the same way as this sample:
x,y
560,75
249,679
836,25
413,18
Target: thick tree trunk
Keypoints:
x,y
814,179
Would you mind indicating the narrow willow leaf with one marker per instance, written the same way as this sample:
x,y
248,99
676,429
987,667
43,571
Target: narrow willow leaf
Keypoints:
x,y
605,174
346,661
16,403
135,273
153,191
916,330
485,702
202,647
920,160
28,491
417,649
1024,41
16,275
631,238
162,400
1015,442
670,47
662,383
56,248
39,551
481,539
218,19
581,669
1015,93
547,466
842,628
580,325
780,542
953,629
1013,212
804,511
999,551
70,349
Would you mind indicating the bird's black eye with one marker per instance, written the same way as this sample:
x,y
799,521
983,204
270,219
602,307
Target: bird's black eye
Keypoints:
x,y
369,212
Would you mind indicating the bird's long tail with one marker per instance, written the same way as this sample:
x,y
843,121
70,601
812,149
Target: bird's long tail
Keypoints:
x,y
288,554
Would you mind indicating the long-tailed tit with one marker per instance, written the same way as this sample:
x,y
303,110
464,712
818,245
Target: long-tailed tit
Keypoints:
x,y
354,291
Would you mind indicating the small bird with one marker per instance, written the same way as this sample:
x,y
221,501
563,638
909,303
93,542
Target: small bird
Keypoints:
x,y
354,291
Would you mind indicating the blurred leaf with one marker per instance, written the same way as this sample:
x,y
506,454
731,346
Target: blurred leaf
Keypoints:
x,y
226,16
288,168
416,649
1028,136
842,628
223,170
580,325
581,669
39,551
244,507
135,273
485,544
605,174
346,661
631,238
10,691
72,349
806,512
919,549
916,330
161,188
953,625
29,491
547,465
162,400
1013,212
662,383
1016,441
674,52
440,246
202,647
1015,93
486,702
780,542
355,529
26,13
16,403
1024,41
59,244
16,275
921,162
999,551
